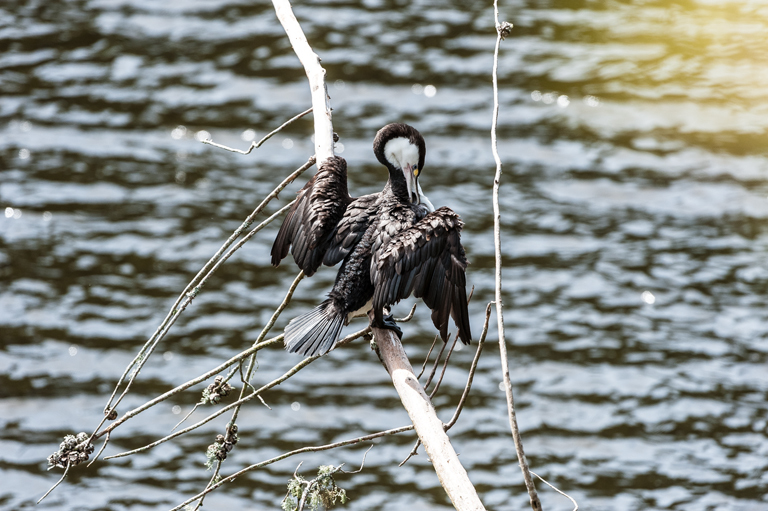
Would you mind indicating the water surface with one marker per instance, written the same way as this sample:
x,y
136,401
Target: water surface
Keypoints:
x,y
635,234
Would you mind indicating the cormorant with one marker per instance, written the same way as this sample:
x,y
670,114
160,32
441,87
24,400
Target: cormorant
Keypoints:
x,y
392,243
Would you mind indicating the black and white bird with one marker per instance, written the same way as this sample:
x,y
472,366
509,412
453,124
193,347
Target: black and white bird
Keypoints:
x,y
392,243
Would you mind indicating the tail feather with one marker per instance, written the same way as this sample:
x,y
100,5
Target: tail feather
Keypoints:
x,y
315,332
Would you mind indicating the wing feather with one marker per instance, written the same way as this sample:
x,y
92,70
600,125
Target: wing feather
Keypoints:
x,y
311,222
427,260
359,215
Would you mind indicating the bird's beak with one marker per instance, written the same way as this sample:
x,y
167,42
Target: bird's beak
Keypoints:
x,y
412,180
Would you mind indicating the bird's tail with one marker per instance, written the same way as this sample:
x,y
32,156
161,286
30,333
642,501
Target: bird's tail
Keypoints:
x,y
315,332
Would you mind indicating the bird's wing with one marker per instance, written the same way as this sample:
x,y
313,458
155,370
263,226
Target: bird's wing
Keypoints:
x,y
359,215
428,260
310,223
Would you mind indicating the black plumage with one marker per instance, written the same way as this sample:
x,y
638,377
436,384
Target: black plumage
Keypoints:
x,y
390,243
310,223
427,260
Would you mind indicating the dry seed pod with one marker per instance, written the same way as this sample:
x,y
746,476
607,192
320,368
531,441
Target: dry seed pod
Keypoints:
x,y
69,442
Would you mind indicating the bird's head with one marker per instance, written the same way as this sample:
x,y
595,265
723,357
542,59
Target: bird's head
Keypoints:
x,y
401,149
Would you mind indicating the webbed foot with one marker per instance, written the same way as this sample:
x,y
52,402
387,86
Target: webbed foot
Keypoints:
x,y
390,324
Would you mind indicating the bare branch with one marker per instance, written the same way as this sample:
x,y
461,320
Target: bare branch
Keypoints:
x,y
453,477
502,30
409,316
237,358
293,453
362,464
256,145
467,387
445,366
245,378
189,293
296,472
263,334
101,450
219,412
187,416
64,475
575,504
472,369
247,398
426,359
316,75
434,367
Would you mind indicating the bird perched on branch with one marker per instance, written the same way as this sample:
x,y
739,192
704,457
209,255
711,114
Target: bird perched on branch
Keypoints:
x,y
392,243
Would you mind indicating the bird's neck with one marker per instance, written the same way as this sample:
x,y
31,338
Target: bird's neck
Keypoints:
x,y
396,184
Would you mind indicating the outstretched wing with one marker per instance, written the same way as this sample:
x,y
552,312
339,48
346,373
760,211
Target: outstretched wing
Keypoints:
x,y
428,260
310,223
360,214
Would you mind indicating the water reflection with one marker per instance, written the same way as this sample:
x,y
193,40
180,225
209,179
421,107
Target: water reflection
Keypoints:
x,y
633,212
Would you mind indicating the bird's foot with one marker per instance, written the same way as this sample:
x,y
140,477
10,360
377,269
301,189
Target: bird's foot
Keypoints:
x,y
390,324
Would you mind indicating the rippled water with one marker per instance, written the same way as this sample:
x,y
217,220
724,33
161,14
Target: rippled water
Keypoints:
x,y
634,138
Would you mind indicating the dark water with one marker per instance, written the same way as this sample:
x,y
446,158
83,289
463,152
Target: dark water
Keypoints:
x,y
634,138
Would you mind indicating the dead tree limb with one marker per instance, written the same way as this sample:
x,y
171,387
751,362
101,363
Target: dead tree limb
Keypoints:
x,y
428,426
452,475
321,107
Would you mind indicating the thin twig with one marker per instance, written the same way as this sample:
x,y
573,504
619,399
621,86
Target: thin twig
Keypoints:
x,y
409,316
101,450
445,367
296,472
301,365
362,464
472,369
502,30
251,363
176,390
426,359
268,386
575,504
191,290
256,145
293,453
264,402
214,476
187,416
434,367
57,482
263,334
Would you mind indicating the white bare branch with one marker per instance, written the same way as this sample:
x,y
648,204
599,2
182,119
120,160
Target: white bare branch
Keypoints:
x,y
321,106
428,426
